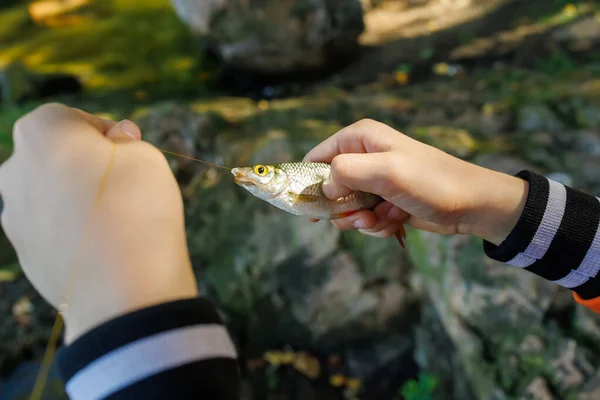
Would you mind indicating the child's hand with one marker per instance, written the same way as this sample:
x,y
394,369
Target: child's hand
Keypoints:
x,y
424,187
135,253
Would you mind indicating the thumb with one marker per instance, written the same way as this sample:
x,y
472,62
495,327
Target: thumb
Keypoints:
x,y
125,131
369,172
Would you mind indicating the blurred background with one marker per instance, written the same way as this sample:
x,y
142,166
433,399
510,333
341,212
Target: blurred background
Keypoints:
x,y
317,313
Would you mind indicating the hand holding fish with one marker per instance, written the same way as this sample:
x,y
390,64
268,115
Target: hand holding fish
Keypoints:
x,y
422,186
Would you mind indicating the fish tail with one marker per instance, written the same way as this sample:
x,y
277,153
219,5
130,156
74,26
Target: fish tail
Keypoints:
x,y
400,235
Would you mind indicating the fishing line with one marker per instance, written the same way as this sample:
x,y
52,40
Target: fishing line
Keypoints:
x,y
42,377
194,159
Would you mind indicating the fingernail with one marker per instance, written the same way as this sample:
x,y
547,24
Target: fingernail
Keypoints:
x,y
128,128
394,213
359,224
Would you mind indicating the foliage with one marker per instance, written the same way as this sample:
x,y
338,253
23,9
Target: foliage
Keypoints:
x,y
423,389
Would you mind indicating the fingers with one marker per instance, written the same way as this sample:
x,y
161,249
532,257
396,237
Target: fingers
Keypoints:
x,y
124,131
371,173
360,220
347,140
364,136
101,124
61,119
390,219
384,221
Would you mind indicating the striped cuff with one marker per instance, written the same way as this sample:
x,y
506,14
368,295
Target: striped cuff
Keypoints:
x,y
557,236
159,352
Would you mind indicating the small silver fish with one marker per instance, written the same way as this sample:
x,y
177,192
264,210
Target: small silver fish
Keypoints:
x,y
296,187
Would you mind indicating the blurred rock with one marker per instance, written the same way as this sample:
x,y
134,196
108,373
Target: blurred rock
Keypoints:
x,y
503,163
456,141
363,361
581,35
561,177
198,14
182,130
539,118
494,119
585,170
330,300
588,141
482,304
537,390
589,117
277,37
591,390
436,352
571,366
587,324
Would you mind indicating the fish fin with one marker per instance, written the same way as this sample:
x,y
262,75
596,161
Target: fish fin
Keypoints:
x,y
303,198
343,214
400,235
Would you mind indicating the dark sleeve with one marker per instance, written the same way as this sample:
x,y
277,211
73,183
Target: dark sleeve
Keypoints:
x,y
175,350
557,237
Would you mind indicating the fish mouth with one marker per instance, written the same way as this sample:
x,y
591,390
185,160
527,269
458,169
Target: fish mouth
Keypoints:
x,y
240,177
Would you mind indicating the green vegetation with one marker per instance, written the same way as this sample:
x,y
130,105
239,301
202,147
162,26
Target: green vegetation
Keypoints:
x,y
421,389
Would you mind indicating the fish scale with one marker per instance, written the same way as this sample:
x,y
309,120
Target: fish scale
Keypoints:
x,y
306,179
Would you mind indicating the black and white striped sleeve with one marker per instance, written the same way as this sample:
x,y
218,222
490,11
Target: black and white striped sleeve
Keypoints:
x,y
175,350
557,237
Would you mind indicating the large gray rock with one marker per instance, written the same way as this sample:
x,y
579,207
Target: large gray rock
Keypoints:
x,y
503,163
581,35
591,390
273,36
587,324
197,14
486,308
539,118
537,390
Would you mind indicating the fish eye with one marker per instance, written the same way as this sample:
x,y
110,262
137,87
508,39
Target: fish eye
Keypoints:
x,y
260,170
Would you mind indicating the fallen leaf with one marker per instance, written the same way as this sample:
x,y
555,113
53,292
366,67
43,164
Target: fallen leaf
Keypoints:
x,y
7,276
22,310
307,365
402,77
263,105
353,384
337,380
278,357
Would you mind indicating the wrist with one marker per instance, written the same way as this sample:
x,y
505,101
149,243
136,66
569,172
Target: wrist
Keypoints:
x,y
132,288
499,201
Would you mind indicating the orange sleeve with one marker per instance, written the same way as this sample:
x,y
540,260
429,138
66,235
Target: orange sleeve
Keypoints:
x,y
592,304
